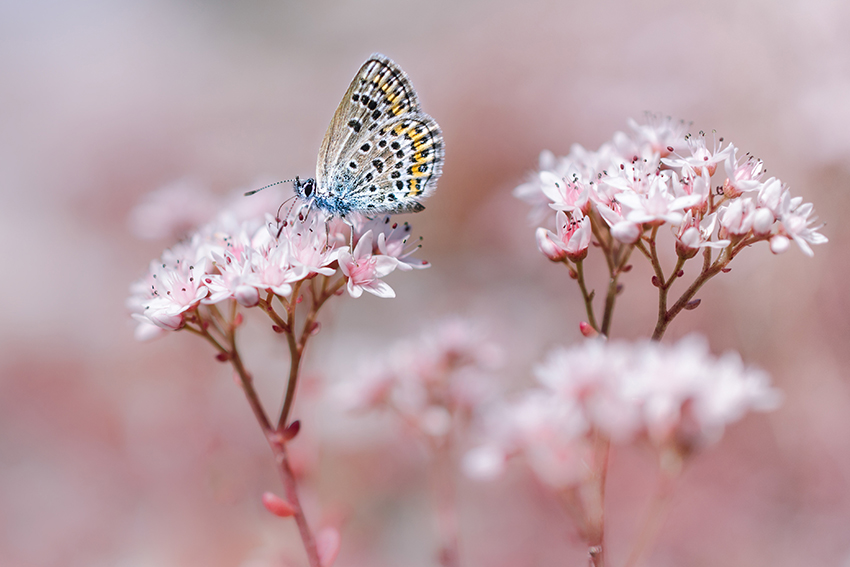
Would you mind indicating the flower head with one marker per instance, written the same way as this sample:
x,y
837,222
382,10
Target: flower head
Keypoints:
x,y
364,269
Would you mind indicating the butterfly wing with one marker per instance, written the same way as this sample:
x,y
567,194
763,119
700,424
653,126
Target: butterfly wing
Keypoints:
x,y
380,152
402,168
379,90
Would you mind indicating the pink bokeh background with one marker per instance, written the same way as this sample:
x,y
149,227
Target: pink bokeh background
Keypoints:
x,y
114,452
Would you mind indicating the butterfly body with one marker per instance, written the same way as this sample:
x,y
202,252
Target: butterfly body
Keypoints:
x,y
381,154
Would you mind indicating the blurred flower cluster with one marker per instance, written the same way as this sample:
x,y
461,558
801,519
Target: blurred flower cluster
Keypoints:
x,y
251,260
679,398
660,175
433,382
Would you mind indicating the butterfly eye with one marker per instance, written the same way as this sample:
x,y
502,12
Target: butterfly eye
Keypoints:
x,y
308,188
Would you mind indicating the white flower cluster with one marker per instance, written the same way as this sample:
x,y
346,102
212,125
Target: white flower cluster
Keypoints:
x,y
678,397
658,175
241,260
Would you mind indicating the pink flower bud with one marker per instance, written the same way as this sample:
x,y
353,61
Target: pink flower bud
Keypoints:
x,y
277,505
546,245
587,330
626,232
779,244
763,221
247,295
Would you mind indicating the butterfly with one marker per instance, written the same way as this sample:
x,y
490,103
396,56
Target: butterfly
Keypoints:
x,y
381,154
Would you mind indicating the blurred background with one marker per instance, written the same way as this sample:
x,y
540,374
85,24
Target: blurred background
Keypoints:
x,y
120,453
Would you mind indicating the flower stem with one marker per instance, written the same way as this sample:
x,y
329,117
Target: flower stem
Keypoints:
x,y
709,270
278,447
588,297
444,500
595,502
616,264
654,516
297,344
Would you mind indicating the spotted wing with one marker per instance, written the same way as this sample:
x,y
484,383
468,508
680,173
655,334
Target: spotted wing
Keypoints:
x,y
401,167
379,92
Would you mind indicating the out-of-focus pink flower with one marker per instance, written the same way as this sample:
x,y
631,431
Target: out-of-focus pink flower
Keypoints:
x,y
431,381
173,211
679,397
328,543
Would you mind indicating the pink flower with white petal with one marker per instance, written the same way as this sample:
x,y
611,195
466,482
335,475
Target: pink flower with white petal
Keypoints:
x,y
623,230
640,177
700,186
794,223
565,195
660,133
574,234
548,245
393,239
233,280
737,218
694,235
657,206
273,270
701,158
364,270
771,194
742,174
175,289
309,251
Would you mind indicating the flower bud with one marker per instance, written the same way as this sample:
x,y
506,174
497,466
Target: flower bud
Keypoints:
x,y
626,232
277,505
247,295
587,330
779,244
547,245
687,245
762,221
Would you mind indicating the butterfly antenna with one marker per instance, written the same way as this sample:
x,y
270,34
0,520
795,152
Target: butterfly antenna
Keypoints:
x,y
249,193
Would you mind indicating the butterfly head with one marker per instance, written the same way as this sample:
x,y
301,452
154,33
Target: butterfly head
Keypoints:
x,y
304,189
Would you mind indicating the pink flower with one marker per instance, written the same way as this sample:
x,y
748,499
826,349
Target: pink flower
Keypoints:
x,y
233,280
738,217
432,382
742,175
701,159
394,240
623,230
794,223
657,205
572,239
565,195
174,289
677,396
693,235
660,133
173,211
365,270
